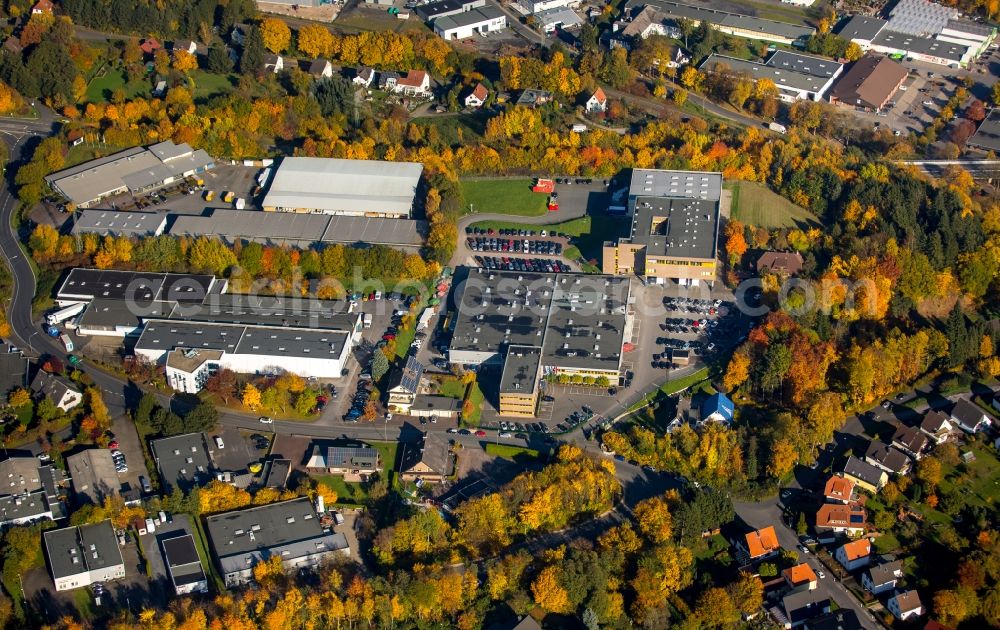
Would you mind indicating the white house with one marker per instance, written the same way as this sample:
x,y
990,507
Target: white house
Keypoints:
x,y
273,63
476,98
855,554
414,83
364,77
63,393
968,417
321,69
882,578
597,103
188,369
905,605
81,556
937,426
186,45
537,6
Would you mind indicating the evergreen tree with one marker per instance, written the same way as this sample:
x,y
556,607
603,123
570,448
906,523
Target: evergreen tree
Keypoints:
x,y
252,60
380,365
219,61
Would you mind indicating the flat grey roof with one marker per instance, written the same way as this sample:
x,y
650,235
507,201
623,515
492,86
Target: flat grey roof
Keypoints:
x,y
468,18
93,547
109,314
184,461
182,560
164,335
662,183
93,474
246,536
301,228
675,10
13,371
24,506
520,370
86,284
425,402
561,313
670,226
805,64
861,27
920,45
136,169
19,474
189,359
441,7
987,137
782,76
118,223
331,184
978,29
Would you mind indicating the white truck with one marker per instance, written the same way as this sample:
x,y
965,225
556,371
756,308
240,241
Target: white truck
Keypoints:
x,y
778,127
367,320
67,342
58,317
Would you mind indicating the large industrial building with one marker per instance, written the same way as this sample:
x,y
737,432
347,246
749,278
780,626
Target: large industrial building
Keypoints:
x,y
734,24
137,170
674,228
367,188
870,83
84,284
922,31
578,321
118,223
290,530
797,76
487,19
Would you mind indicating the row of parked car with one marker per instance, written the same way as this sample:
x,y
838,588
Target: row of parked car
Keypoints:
x,y
475,231
359,401
504,263
518,246
693,305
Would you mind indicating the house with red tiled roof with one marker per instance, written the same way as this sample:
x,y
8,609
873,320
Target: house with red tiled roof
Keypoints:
x,y
150,45
838,490
758,544
839,518
414,83
854,555
597,103
42,6
799,575
477,97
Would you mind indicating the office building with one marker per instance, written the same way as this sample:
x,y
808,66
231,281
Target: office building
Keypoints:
x,y
369,188
797,76
520,381
674,228
81,556
443,8
184,461
137,170
290,530
30,491
83,284
93,475
463,25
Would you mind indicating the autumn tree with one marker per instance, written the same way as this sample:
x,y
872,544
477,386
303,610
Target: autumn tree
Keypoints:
x,y
549,593
219,496
19,397
275,34
251,398
929,472
747,593
184,61
736,244
315,40
222,384
655,522
783,458
737,371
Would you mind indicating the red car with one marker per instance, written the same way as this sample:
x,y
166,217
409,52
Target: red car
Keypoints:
x,y
480,433
388,336
113,444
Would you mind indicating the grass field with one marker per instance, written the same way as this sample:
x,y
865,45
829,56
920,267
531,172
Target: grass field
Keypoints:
x,y
362,18
513,453
573,227
207,85
673,386
503,196
101,87
755,204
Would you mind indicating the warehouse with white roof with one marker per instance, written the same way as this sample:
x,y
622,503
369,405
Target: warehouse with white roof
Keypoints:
x,y
367,188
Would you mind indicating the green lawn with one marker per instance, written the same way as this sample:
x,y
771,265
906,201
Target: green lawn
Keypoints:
x,y
673,386
456,130
206,559
101,87
363,18
503,196
452,388
513,453
207,85
351,493
85,152
755,204
886,543
573,227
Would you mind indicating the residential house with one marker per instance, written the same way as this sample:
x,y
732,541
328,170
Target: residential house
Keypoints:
x,y
403,384
387,80
864,475
533,98
13,44
838,490
910,440
59,390
937,426
186,45
804,604
13,372
42,6
883,577
785,264
429,460
321,69
855,554
758,545
800,575
364,77
476,98
354,461
839,518
435,407
273,63
414,83
969,417
150,45
81,556
889,459
717,408
597,103
905,605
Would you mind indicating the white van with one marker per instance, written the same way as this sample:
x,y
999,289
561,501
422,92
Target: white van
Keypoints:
x,y
218,442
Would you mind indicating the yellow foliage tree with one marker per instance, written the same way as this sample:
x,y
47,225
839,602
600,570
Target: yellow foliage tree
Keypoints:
x,y
219,496
276,34
315,40
251,397
18,398
654,519
266,495
549,593
184,61
737,372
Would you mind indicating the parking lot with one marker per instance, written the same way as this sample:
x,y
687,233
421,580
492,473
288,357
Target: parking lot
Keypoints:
x,y
240,180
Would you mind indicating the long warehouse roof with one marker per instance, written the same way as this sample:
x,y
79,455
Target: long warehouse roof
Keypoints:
x,y
333,185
